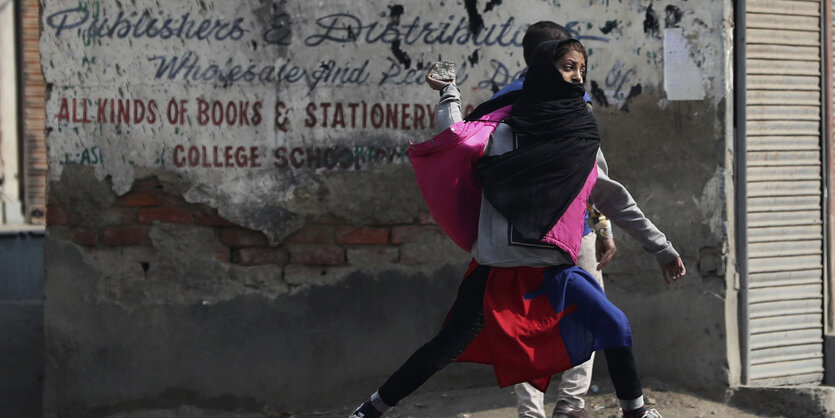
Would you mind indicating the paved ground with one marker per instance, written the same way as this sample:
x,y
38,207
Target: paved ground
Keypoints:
x,y
492,402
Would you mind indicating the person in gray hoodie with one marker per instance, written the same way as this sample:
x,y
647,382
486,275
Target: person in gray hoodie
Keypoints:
x,y
493,250
596,250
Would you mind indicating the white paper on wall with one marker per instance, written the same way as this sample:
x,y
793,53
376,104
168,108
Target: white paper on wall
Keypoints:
x,y
682,77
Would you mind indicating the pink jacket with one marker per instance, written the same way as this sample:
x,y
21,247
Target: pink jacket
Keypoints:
x,y
444,167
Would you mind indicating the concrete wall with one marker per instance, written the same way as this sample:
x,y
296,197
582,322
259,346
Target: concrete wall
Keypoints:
x,y
233,222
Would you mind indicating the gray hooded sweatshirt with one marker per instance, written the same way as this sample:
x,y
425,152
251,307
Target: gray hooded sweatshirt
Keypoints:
x,y
493,246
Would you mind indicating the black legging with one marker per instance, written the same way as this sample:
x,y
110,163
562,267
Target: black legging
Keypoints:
x,y
624,372
465,323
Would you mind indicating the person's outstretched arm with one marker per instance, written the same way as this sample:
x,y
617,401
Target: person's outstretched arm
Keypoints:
x,y
448,110
613,200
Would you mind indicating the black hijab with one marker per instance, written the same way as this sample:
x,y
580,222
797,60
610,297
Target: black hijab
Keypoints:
x,y
555,148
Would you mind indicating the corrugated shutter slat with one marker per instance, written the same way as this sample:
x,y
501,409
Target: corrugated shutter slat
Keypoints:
x,y
784,189
778,143
787,7
784,192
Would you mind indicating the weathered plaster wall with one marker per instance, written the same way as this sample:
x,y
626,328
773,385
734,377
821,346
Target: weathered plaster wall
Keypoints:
x,y
679,329
233,220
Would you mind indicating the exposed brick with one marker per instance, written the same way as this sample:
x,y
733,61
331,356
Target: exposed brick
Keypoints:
x,y
60,233
53,201
119,216
318,255
373,256
325,220
127,235
223,255
425,218
296,274
56,215
362,235
240,237
410,257
206,218
170,215
411,233
140,198
312,234
85,236
254,256
176,201
146,183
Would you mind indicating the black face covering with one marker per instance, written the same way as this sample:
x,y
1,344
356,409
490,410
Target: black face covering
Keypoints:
x,y
556,148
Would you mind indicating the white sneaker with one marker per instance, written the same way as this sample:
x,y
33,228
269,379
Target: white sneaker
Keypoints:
x,y
652,413
366,410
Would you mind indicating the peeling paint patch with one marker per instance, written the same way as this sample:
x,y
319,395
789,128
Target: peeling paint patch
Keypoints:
x,y
492,4
395,11
598,94
473,58
610,24
402,56
651,25
494,88
673,16
634,92
351,34
476,22
279,29
711,262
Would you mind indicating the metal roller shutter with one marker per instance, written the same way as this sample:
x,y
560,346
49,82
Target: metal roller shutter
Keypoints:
x,y
784,192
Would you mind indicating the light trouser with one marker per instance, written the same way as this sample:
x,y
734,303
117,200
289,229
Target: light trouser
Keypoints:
x,y
575,382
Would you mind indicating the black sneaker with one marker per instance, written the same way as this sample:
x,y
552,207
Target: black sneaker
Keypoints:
x,y
366,410
566,410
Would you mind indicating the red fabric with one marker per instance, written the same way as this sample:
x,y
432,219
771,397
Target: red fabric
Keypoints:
x,y
444,170
521,338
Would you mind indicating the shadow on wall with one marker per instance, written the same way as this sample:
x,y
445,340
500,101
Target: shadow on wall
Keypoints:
x,y
21,322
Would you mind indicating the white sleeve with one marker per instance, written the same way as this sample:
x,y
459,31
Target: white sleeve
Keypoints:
x,y
448,110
